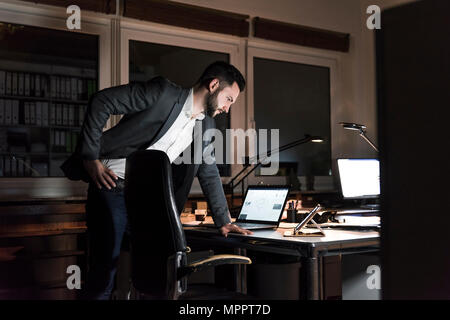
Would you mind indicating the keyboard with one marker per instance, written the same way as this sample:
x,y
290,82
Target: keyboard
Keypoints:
x,y
248,225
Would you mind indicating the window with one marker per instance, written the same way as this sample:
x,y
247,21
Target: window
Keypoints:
x,y
291,90
46,79
295,98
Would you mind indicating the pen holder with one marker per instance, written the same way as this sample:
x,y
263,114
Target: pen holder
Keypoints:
x,y
200,215
292,215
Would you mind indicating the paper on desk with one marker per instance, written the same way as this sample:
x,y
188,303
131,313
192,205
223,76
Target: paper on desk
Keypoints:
x,y
287,225
354,221
192,223
359,220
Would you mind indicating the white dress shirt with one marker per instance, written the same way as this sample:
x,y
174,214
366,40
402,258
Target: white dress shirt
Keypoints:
x,y
173,142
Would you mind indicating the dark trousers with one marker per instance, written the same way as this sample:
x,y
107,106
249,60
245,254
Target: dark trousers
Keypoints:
x,y
106,218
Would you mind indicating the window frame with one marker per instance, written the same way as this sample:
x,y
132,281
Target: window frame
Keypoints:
x,y
33,15
296,54
193,39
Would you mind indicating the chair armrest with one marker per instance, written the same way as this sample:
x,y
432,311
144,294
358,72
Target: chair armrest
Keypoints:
x,y
212,261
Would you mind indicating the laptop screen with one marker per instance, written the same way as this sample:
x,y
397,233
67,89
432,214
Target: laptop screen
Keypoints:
x,y
360,178
264,204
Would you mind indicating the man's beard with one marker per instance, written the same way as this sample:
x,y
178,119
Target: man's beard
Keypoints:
x,y
211,103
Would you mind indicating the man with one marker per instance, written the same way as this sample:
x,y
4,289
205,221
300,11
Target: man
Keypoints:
x,y
157,115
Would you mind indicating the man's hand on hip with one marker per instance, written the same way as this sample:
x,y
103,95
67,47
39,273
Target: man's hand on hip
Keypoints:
x,y
224,230
99,174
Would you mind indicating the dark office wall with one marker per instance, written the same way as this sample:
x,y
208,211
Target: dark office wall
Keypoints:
x,y
413,72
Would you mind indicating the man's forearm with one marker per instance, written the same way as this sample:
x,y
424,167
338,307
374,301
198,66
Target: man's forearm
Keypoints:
x,y
211,185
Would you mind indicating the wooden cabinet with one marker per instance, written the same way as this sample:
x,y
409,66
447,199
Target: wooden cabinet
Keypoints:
x,y
39,240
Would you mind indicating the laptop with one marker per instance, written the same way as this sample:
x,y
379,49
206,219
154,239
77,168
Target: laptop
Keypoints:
x,y
262,207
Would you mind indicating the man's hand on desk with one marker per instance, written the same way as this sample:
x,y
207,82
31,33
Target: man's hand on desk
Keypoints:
x,y
224,230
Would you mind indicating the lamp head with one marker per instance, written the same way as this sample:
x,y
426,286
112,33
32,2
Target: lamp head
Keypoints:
x,y
315,139
352,126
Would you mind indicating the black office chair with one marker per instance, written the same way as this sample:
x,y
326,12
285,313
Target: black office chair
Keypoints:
x,y
159,266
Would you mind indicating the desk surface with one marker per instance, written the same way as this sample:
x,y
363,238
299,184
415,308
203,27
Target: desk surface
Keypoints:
x,y
334,238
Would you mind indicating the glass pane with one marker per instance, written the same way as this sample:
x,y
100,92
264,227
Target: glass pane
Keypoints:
x,y
182,66
46,79
295,98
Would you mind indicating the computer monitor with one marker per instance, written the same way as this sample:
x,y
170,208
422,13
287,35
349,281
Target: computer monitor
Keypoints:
x,y
359,178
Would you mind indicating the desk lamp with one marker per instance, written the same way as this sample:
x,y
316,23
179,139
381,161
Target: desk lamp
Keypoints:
x,y
230,186
360,128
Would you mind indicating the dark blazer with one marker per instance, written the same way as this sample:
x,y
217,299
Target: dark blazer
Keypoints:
x,y
149,110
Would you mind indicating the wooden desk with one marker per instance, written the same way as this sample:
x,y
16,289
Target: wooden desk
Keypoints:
x,y
311,250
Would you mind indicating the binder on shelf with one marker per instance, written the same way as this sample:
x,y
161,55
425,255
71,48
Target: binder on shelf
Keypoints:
x,y
26,112
80,90
58,87
20,167
56,144
91,88
44,85
2,82
2,111
71,115
68,86
32,113
58,114
44,114
80,115
8,112
53,86
14,84
26,84
52,140
13,167
65,115
32,85
8,85
38,114
3,140
15,111
68,141
62,88
52,115
73,88
7,166
62,141
37,85
20,84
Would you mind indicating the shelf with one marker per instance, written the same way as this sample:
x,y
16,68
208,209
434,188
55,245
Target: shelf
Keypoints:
x,y
56,100
76,128
24,154
42,233
50,255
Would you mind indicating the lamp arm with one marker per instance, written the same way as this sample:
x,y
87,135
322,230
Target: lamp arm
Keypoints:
x,y
259,159
282,148
362,133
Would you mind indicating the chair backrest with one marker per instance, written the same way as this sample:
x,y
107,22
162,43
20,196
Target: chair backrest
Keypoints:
x,y
157,240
